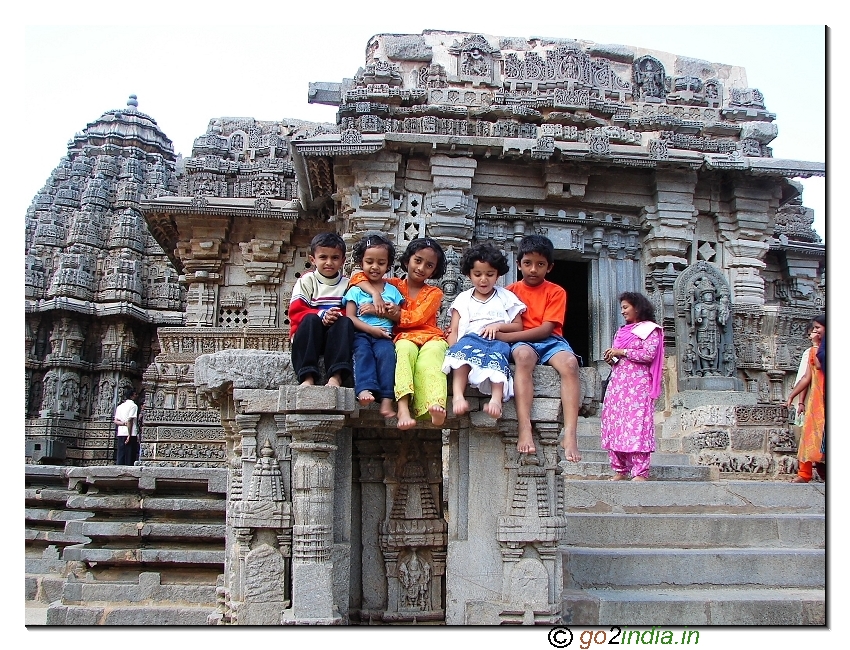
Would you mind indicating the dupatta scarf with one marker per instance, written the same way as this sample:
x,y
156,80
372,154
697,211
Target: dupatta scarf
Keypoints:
x,y
628,335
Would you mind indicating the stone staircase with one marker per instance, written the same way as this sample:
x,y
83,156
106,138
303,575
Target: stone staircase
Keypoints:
x,y
664,467
685,550
139,545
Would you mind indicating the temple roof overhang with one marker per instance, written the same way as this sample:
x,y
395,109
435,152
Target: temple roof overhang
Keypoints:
x,y
328,145
163,214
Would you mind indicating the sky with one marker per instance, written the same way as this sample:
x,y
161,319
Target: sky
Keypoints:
x,y
65,63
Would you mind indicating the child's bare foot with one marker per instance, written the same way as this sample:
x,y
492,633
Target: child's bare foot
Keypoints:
x,y
618,477
386,407
438,414
571,453
493,408
525,444
405,420
365,397
459,405
309,381
335,381
639,478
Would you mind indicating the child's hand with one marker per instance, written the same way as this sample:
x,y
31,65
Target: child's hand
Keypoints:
x,y
331,316
490,331
379,307
368,308
379,333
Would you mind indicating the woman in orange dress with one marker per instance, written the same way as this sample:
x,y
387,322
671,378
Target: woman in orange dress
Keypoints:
x,y
812,383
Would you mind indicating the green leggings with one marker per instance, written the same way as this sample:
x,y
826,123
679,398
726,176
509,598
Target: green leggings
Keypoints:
x,y
420,371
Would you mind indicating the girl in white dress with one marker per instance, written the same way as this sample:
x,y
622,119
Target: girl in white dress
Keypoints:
x,y
478,314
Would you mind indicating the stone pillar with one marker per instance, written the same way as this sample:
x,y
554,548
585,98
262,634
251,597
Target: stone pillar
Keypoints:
x,y
746,230
744,261
312,500
373,199
672,220
202,262
373,511
451,204
263,267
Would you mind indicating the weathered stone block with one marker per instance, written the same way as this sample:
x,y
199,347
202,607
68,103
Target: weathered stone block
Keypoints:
x,y
691,399
254,400
483,613
312,591
748,438
407,48
542,410
244,369
322,399
619,53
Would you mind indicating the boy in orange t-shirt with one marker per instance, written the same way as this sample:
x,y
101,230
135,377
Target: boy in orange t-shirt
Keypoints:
x,y
541,341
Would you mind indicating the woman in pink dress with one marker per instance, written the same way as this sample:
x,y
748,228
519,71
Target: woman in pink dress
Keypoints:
x,y
636,357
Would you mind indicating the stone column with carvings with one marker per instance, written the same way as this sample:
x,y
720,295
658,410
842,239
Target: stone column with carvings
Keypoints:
x,y
450,204
672,219
530,531
202,262
264,268
745,232
373,500
373,197
314,414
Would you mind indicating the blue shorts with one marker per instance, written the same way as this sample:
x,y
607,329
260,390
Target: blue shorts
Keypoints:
x,y
547,348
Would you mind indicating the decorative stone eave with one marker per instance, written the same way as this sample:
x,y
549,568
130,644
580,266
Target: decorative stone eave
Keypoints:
x,y
161,213
335,144
799,248
101,310
767,166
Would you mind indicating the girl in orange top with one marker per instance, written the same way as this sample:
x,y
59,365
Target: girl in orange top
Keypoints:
x,y
420,345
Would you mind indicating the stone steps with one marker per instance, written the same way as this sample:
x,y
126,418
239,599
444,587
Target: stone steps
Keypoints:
x,y
142,615
657,472
147,544
694,531
736,497
688,553
692,607
612,568
659,458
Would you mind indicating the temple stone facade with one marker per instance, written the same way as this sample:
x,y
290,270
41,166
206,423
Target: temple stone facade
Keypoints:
x,y
650,172
97,285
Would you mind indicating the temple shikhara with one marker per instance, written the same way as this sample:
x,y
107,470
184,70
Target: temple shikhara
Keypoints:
x,y
259,502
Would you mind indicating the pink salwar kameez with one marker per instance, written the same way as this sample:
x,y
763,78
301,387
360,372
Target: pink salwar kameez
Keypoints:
x,y
628,426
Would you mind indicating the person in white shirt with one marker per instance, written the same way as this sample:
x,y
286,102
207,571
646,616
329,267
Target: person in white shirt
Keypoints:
x,y
126,435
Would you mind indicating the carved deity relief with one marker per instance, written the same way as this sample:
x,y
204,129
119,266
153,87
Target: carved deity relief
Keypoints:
x,y
709,318
704,330
415,577
649,79
476,59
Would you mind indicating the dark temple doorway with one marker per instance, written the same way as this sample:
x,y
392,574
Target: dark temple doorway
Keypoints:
x,y
573,276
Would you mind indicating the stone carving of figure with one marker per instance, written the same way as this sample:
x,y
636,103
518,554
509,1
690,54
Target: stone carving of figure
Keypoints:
x,y
649,77
475,64
69,394
106,397
415,577
49,393
708,321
